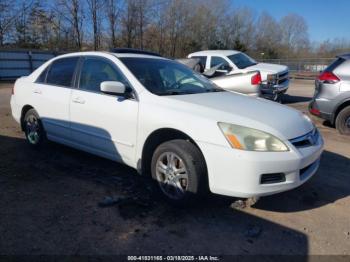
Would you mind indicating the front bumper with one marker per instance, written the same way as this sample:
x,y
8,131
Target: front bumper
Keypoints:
x,y
270,91
238,173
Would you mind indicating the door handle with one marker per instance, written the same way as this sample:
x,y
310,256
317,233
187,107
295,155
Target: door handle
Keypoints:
x,y
78,100
37,91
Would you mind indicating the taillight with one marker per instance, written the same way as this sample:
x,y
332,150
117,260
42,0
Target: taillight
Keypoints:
x,y
256,79
315,111
328,77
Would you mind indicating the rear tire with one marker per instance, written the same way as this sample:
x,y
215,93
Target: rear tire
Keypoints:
x,y
179,169
342,122
33,129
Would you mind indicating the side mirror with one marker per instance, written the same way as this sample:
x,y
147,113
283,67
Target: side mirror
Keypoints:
x,y
113,87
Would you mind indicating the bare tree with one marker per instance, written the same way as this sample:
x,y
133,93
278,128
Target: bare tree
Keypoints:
x,y
112,10
294,33
72,11
268,36
129,23
10,15
95,7
171,27
177,22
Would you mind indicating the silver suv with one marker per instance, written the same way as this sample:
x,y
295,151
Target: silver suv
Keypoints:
x,y
331,100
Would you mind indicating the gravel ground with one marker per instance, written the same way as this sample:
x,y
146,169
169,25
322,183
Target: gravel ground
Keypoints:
x,y
62,201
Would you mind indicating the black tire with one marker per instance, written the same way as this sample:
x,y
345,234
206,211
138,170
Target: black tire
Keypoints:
x,y
193,160
33,129
278,98
342,123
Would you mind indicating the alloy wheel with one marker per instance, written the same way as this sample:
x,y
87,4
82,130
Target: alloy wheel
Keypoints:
x,y
172,175
33,129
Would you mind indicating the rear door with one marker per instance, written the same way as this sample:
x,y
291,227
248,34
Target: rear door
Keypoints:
x,y
101,123
51,94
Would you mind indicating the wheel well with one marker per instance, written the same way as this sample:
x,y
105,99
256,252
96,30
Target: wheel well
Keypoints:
x,y
154,140
25,109
340,108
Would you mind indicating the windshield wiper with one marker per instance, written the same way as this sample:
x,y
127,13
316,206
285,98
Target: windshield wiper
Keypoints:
x,y
215,90
171,93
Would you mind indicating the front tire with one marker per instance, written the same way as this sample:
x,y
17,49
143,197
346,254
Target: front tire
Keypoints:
x,y
179,169
33,129
342,122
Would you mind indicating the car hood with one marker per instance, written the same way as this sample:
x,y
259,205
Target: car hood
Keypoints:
x,y
266,68
279,120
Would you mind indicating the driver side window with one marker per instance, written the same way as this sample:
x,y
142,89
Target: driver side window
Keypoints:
x,y
94,71
216,60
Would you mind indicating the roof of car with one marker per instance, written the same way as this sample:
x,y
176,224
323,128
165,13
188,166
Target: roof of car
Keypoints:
x,y
133,51
215,52
136,55
345,56
118,55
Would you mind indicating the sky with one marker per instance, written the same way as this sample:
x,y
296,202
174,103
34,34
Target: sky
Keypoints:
x,y
326,19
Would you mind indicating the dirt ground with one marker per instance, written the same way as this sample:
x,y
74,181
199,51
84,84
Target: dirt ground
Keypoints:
x,y
49,204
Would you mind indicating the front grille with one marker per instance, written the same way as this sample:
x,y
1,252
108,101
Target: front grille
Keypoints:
x,y
282,81
272,178
283,75
309,139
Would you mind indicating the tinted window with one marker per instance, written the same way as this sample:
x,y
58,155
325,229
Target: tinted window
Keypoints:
x,y
215,60
202,60
166,77
42,77
334,64
242,60
61,72
95,71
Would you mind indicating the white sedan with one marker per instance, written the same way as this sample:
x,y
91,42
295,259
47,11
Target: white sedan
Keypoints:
x,y
163,119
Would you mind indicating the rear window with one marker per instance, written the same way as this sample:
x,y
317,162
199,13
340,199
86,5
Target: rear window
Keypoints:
x,y
242,60
61,72
334,64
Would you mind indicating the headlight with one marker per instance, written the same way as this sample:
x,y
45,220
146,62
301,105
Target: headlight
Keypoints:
x,y
250,139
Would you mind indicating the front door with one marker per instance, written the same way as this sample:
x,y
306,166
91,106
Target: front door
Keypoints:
x,y
101,123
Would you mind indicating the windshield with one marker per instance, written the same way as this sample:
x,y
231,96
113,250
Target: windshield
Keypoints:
x,y
166,77
242,60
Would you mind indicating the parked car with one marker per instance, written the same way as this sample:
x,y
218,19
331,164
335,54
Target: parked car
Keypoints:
x,y
331,100
246,83
161,118
275,78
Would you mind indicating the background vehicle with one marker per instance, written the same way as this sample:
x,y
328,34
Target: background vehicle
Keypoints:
x,y
246,83
275,78
331,100
163,119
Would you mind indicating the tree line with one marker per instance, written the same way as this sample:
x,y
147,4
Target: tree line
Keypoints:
x,y
172,28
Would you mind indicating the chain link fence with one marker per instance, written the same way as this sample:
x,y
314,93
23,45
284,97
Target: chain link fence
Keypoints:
x,y
302,68
17,63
